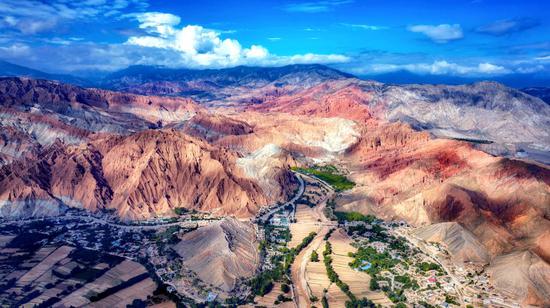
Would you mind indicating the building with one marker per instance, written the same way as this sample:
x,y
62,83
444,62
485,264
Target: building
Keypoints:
x,y
280,220
211,297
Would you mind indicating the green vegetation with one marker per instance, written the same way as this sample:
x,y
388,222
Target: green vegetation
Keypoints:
x,y
328,174
378,261
181,211
263,283
324,301
285,288
428,266
396,296
451,300
407,282
481,141
334,278
281,299
170,235
354,216
314,256
329,233
329,210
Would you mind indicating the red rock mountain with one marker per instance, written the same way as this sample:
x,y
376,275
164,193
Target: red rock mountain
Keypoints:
x,y
140,176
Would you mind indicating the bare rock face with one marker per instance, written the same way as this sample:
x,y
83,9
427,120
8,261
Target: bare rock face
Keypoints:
x,y
461,244
94,110
213,127
524,275
338,99
140,176
221,253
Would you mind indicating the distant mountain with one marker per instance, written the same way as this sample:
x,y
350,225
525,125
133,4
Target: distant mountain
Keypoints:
x,y
540,92
406,77
200,84
8,69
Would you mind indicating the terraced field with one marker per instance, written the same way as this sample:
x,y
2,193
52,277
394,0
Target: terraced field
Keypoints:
x,y
269,299
358,281
306,223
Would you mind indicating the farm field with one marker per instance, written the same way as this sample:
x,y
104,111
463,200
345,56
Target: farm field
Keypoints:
x,y
269,299
306,222
358,281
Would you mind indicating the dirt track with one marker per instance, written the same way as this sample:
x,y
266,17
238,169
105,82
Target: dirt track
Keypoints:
x,y
298,270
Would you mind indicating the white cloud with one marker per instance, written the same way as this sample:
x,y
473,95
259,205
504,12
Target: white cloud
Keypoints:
x,y
507,26
488,68
315,6
441,67
365,27
543,58
14,50
34,16
160,23
201,47
441,33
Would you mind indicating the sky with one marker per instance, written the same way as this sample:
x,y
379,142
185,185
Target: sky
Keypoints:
x,y
466,38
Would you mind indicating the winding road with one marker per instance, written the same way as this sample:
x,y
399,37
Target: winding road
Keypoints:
x,y
264,217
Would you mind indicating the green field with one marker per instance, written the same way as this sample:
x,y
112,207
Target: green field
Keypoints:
x,y
328,174
354,216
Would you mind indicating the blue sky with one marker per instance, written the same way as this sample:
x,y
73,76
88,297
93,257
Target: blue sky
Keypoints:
x,y
458,38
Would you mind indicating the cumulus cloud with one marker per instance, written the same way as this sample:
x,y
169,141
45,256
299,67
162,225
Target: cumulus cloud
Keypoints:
x,y
507,26
33,16
441,67
197,46
315,6
441,33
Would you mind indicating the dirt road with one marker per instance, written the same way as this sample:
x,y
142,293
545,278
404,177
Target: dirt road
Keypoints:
x,y
298,269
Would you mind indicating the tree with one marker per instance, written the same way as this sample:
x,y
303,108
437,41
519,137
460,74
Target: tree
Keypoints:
x,y
374,284
324,302
314,256
285,288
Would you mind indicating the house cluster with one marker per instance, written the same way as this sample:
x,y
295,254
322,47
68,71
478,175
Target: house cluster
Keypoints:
x,y
280,219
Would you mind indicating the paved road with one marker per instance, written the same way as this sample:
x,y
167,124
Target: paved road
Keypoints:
x,y
91,219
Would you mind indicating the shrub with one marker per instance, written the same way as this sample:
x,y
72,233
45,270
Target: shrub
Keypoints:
x,y
314,256
285,288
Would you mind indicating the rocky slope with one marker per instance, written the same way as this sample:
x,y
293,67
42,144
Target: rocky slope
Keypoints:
x,y
144,156
92,109
221,253
140,176
35,113
461,244
495,118
540,92
524,275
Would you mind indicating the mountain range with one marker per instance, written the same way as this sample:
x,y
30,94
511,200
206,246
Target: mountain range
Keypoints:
x,y
467,162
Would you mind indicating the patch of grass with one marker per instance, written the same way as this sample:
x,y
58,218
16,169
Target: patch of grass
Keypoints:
x,y
328,174
354,216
